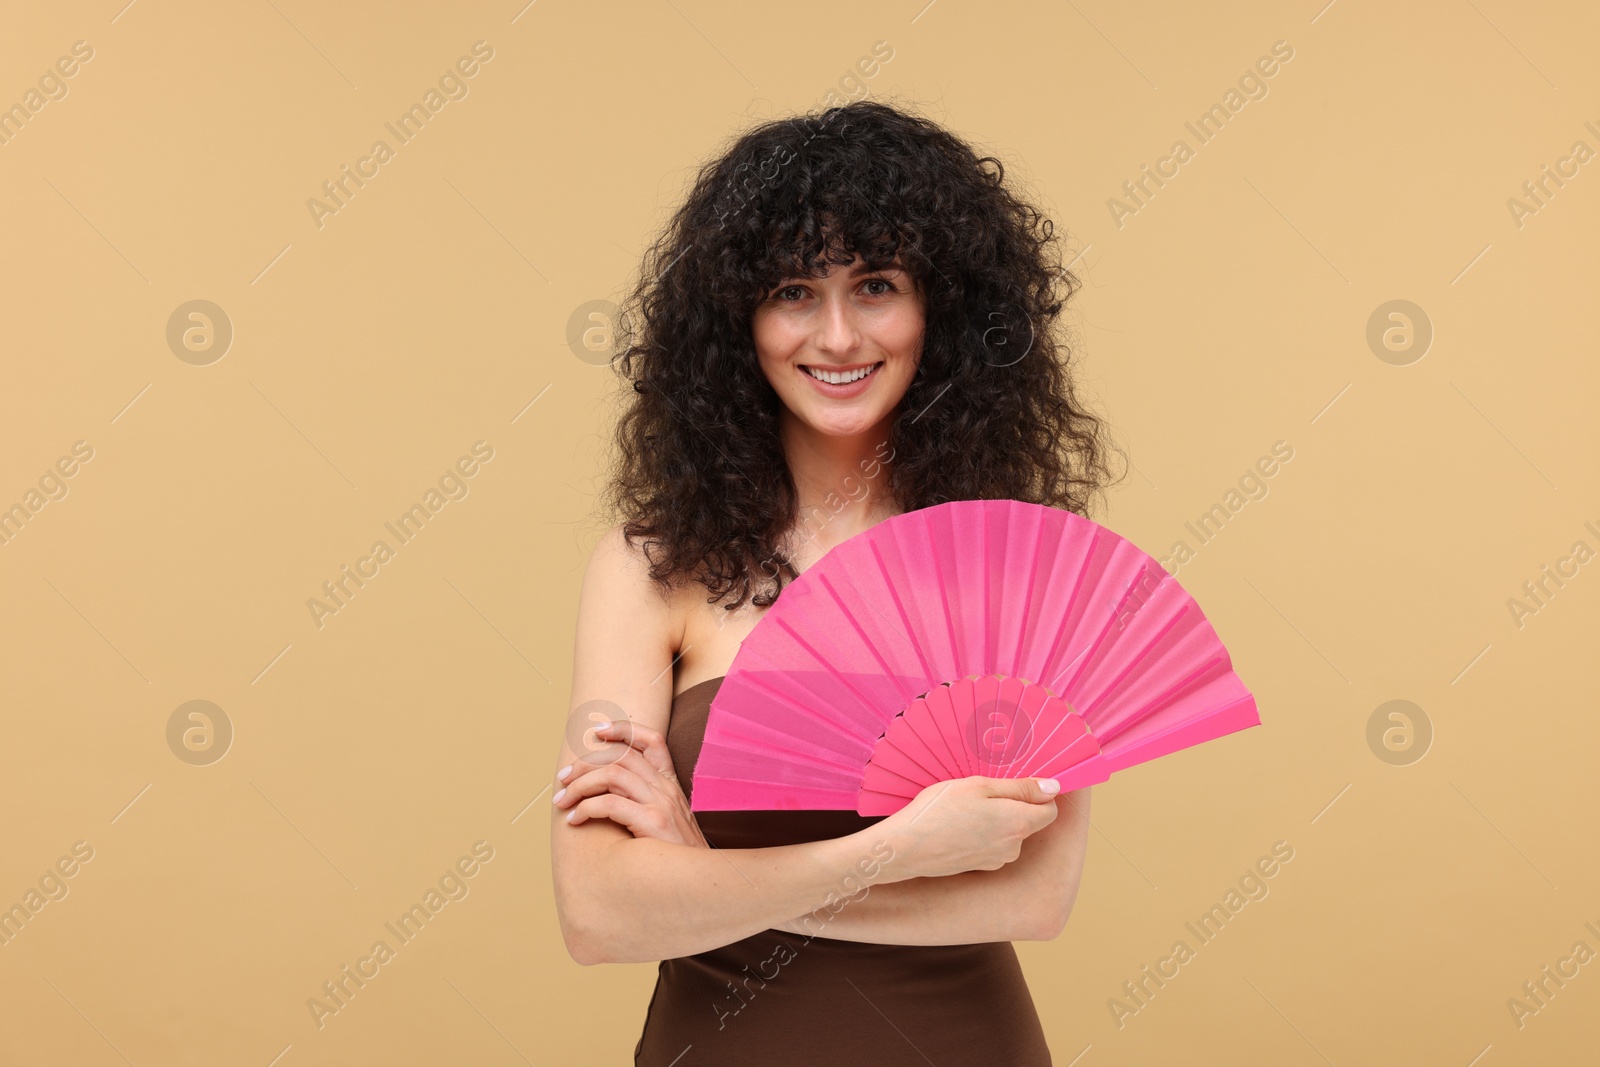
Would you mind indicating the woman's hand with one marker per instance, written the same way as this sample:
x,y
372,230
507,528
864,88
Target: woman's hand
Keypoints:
x,y
967,824
637,789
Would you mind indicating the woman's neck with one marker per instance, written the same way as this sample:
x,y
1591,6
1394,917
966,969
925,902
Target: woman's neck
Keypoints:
x,y
841,483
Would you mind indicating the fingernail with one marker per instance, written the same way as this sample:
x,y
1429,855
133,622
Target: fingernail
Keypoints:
x,y
557,798
601,726
573,814
1049,785
561,775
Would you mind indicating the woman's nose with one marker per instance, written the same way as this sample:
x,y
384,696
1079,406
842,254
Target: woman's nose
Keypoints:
x,y
838,329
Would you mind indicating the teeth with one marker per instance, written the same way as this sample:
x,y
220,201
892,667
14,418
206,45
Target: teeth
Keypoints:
x,y
840,377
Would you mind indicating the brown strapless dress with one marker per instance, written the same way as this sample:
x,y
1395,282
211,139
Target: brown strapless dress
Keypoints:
x,y
775,998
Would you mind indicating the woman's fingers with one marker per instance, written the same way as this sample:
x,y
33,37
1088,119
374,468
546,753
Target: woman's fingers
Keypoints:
x,y
637,819
631,760
632,792
633,784
649,743
611,777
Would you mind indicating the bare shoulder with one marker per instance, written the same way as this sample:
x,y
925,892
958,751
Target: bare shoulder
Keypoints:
x,y
617,583
617,561
627,633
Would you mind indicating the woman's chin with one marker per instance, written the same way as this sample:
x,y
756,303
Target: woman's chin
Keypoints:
x,y
839,423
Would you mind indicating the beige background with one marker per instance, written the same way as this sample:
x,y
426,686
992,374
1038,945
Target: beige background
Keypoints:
x,y
369,754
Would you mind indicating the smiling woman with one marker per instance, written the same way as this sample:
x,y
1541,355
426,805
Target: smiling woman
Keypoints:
x,y
844,327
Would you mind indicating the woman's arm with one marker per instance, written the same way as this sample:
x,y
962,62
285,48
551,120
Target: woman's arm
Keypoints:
x,y
627,898
644,900
1026,900
623,899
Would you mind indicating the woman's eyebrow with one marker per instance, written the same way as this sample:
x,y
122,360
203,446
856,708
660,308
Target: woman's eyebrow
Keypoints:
x,y
855,272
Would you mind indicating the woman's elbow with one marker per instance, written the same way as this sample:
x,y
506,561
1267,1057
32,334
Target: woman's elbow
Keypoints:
x,y
579,945
580,929
591,939
588,951
585,956
1048,925
1051,915
582,907
1062,911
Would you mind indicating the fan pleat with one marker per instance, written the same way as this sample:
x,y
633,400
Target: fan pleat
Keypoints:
x,y
826,663
942,576
934,741
903,739
868,641
1075,606
1018,611
928,669
776,706
1102,673
1159,739
986,603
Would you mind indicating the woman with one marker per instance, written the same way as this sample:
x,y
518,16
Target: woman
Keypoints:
x,y
849,318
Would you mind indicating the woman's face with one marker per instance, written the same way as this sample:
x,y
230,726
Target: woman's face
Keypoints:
x,y
861,329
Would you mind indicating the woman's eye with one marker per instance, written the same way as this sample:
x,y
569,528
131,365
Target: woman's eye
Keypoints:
x,y
798,292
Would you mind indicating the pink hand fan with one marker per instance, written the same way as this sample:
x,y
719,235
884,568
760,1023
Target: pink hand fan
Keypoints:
x,y
988,637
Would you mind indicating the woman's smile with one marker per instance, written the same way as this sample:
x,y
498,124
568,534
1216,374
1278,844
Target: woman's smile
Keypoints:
x,y
840,382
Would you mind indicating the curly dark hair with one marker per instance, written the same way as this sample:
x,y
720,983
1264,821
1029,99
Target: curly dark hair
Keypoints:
x,y
700,478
